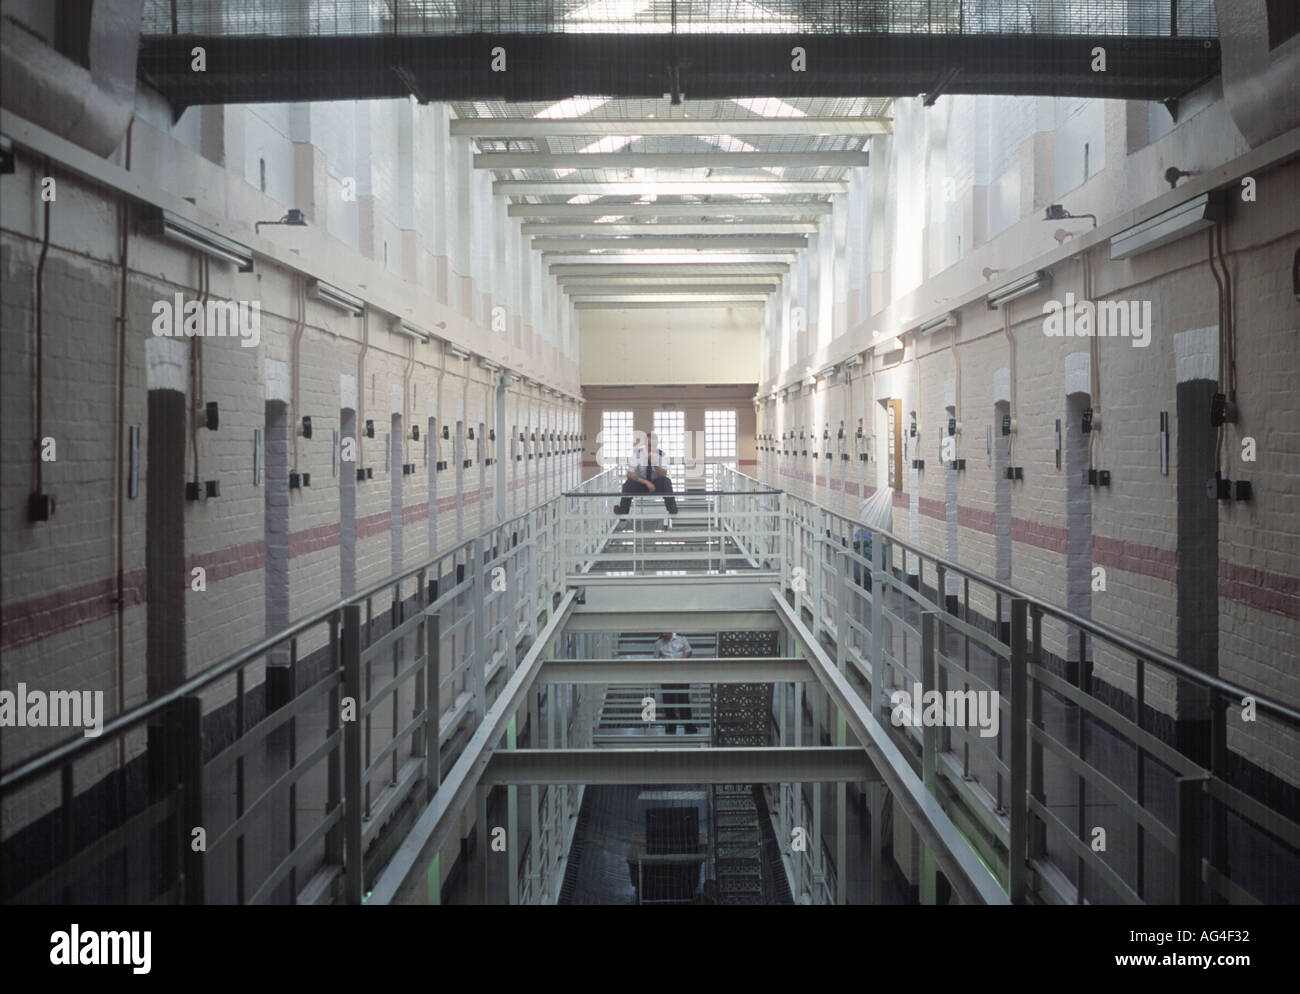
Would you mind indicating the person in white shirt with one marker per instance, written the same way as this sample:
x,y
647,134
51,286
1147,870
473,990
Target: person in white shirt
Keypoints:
x,y
677,710
646,475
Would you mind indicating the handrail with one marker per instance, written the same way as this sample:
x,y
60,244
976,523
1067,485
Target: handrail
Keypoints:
x,y
48,761
758,487
1139,649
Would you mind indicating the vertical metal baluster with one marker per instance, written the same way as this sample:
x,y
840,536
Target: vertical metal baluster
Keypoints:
x,y
1139,695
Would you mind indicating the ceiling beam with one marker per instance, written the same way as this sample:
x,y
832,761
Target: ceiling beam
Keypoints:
x,y
651,228
616,289
666,188
666,160
601,305
802,208
767,764
535,127
686,242
671,298
636,268
667,259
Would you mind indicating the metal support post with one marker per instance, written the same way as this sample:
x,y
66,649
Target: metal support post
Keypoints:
x,y
352,798
1017,849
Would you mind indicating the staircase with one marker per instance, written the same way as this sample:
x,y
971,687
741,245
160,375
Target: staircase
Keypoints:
x,y
738,853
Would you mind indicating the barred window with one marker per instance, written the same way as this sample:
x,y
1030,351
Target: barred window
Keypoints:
x,y
670,427
615,442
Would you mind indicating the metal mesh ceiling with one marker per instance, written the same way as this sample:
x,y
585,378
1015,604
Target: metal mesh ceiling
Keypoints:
x,y
1187,18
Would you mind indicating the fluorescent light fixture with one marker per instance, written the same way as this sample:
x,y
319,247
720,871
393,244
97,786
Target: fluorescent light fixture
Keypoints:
x,y
1188,217
332,295
490,366
828,371
948,320
854,360
409,332
179,229
457,351
1027,284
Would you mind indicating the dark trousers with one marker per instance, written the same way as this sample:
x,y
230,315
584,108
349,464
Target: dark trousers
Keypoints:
x,y
663,485
677,710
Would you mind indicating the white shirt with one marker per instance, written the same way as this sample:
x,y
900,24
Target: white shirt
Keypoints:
x,y
637,465
677,647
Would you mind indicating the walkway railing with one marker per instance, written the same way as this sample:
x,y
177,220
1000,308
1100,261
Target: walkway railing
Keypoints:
x,y
226,796
733,526
1074,781
1103,775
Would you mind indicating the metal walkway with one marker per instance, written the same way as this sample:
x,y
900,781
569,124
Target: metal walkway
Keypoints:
x,y
470,698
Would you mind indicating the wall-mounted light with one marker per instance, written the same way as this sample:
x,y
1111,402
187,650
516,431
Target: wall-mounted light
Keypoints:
x,y
1187,218
327,293
180,229
948,320
457,352
405,329
1057,212
293,218
1022,287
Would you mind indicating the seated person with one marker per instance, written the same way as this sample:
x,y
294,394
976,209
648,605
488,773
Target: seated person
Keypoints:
x,y
646,475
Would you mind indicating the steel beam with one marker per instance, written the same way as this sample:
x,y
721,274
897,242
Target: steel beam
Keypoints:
x,y
700,212
717,227
952,853
657,621
637,267
713,243
810,764
604,280
635,305
649,297
708,65
667,160
533,127
579,291
762,669
666,259
665,188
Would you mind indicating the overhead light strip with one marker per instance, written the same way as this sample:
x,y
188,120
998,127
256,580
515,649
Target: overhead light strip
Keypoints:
x,y
1023,287
1178,222
327,293
196,236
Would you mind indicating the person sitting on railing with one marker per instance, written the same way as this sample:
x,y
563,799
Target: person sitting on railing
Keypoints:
x,y
646,475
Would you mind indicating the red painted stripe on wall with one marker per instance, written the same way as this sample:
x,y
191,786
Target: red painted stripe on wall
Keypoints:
x,y
40,617
1131,557
976,520
1260,589
221,564
374,524
313,540
1036,534
933,508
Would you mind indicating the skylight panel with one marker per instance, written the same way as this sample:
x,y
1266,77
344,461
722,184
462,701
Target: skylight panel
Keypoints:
x,y
572,107
769,107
